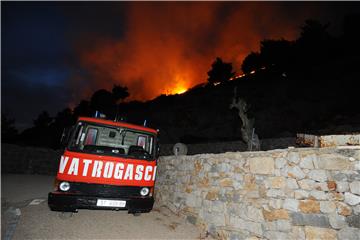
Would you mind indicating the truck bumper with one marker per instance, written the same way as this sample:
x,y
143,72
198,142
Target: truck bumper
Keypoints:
x,y
59,201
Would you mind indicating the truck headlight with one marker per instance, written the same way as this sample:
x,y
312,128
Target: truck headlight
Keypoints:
x,y
64,186
144,191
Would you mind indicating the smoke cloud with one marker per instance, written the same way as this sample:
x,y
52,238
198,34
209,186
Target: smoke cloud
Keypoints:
x,y
167,47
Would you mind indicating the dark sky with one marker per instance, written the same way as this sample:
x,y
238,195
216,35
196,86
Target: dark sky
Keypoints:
x,y
56,53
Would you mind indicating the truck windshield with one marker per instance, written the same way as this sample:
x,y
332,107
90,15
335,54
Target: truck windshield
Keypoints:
x,y
108,140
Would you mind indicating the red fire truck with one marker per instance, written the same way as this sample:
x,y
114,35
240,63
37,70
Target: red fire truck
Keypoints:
x,y
106,165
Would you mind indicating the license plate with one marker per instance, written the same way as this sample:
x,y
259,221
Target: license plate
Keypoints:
x,y
110,203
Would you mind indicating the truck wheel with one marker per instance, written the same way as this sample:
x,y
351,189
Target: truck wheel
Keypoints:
x,y
65,215
136,214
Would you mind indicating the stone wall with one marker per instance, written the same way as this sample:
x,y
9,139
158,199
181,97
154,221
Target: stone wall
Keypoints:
x,y
29,160
234,146
300,193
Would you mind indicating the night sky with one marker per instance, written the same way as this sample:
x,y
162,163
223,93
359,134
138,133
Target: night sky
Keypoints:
x,y
56,53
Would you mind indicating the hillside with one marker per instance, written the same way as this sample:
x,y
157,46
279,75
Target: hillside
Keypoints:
x,y
282,106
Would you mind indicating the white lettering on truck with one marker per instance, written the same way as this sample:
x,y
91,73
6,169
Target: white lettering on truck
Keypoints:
x,y
63,162
106,169
86,166
73,170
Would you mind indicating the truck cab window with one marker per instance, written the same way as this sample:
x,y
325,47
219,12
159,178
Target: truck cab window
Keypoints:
x,y
92,138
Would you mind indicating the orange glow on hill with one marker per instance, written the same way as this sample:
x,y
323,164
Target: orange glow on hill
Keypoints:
x,y
168,47
180,86
178,90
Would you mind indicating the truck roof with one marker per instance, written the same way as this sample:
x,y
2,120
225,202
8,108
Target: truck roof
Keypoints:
x,y
117,124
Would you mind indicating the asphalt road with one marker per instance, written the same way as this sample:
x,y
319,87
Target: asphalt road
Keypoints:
x,y
25,215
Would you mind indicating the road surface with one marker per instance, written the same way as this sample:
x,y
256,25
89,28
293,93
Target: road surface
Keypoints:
x,y
25,215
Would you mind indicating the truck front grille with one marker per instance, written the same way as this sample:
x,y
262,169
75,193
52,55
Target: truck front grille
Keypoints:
x,y
103,190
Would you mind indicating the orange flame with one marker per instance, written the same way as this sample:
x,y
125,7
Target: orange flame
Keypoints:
x,y
181,85
163,52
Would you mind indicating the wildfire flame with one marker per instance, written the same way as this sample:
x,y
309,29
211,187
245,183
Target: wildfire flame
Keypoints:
x,y
163,52
180,85
178,90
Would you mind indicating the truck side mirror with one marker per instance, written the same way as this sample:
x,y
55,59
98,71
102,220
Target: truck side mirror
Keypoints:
x,y
65,136
157,153
157,150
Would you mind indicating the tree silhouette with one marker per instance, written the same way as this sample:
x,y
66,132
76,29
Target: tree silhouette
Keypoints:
x,y
276,53
252,62
83,109
351,27
220,72
314,41
43,120
64,118
120,93
313,32
106,102
103,101
9,133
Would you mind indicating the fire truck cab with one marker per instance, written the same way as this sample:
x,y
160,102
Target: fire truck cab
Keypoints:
x,y
106,165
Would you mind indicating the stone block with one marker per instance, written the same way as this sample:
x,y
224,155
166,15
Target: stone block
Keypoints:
x,y
192,201
276,203
280,162
275,214
275,193
349,233
318,175
327,207
315,233
294,157
261,165
296,172
343,209
301,194
336,196
321,186
217,207
297,233
357,166
235,236
307,162
291,183
357,210
334,162
309,206
218,219
277,182
246,225
226,182
224,167
254,214
342,186
355,187
353,221
291,205
283,225
340,177
352,199
337,221
318,195
354,176
306,184
316,220
275,235
331,185
191,219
